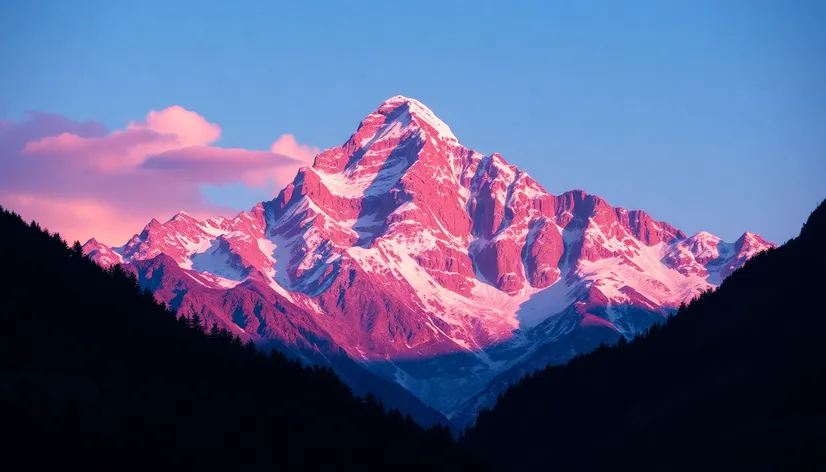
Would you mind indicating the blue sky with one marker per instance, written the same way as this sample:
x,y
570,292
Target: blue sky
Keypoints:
x,y
710,115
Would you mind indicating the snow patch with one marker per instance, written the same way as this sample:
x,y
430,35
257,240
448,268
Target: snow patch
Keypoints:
x,y
217,262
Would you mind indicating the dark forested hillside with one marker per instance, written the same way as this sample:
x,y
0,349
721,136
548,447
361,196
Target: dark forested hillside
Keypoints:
x,y
736,381
94,372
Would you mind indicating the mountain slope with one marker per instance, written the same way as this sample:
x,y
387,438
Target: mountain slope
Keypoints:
x,y
285,327
94,372
734,381
433,266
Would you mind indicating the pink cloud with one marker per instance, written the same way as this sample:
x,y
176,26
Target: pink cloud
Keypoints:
x,y
80,180
286,145
188,127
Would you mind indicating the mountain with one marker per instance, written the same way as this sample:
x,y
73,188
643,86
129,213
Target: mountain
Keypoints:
x,y
442,270
95,374
733,381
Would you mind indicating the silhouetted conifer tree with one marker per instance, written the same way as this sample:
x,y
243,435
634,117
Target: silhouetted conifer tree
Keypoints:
x,y
195,322
214,332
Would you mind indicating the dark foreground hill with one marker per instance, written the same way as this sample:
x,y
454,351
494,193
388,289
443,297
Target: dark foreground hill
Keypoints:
x,y
735,381
94,372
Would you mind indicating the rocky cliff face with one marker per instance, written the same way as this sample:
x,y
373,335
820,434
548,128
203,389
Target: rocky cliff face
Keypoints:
x,y
435,267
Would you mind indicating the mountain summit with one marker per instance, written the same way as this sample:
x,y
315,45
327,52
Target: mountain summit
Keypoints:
x,y
446,271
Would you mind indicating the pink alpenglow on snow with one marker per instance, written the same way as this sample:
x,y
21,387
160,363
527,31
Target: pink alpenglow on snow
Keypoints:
x,y
82,180
444,270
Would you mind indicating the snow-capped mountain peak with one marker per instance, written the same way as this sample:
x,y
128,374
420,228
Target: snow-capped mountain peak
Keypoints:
x,y
409,109
436,267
